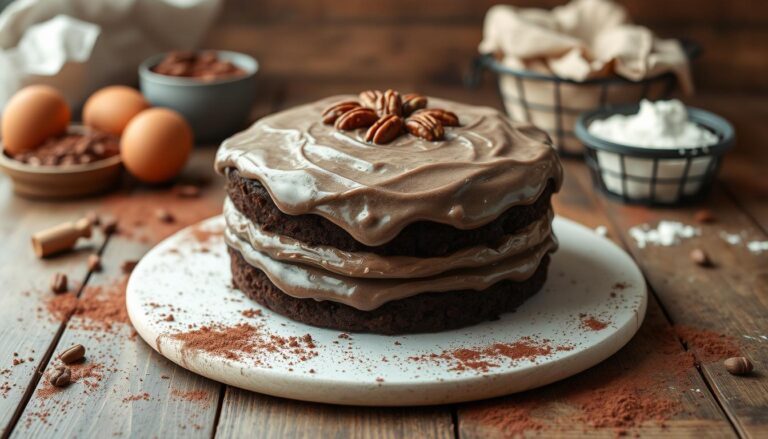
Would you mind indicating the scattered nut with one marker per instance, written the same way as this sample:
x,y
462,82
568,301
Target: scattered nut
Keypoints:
x,y
738,365
703,216
413,102
446,118
356,118
94,262
385,129
59,376
128,266
337,110
425,125
164,216
59,283
73,354
700,258
109,225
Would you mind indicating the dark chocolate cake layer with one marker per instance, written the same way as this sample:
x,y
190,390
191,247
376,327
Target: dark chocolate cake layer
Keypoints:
x,y
427,312
419,239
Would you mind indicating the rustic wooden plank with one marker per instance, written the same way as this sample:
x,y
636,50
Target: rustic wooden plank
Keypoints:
x,y
26,328
131,389
245,414
439,52
653,361
720,12
728,299
743,171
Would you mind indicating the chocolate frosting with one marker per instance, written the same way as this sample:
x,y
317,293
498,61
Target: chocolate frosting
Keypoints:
x,y
482,168
371,265
304,281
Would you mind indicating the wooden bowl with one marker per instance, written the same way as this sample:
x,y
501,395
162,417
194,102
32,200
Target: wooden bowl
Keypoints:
x,y
58,182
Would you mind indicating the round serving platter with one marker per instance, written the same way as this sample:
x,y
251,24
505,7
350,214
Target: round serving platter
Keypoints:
x,y
180,297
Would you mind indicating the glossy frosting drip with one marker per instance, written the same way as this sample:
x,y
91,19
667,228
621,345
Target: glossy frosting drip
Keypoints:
x,y
307,282
371,265
481,169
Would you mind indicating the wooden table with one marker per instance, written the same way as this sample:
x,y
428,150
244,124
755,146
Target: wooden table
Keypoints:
x,y
143,395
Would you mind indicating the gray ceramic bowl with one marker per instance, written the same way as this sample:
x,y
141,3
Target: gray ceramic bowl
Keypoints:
x,y
215,109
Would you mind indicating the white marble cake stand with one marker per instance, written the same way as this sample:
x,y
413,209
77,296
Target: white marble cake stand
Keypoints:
x,y
188,276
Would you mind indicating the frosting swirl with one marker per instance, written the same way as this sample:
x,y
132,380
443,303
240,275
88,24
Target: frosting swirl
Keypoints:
x,y
481,169
371,265
307,282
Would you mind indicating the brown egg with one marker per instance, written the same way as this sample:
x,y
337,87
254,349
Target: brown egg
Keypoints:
x,y
156,144
111,108
33,114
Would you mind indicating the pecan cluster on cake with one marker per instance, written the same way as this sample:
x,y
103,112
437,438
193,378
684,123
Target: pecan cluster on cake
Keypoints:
x,y
417,233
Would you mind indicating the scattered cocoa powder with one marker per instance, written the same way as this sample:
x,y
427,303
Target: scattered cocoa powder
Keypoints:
x,y
483,358
200,396
592,323
101,306
203,236
90,374
132,209
251,313
232,342
707,346
61,306
513,417
138,397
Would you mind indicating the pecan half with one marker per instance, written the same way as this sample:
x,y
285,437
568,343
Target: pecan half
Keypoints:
x,y
385,130
425,126
335,111
413,102
390,103
446,118
357,118
370,98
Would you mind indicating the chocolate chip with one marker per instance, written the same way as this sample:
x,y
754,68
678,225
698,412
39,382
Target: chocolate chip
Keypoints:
x,y
128,266
738,365
73,354
59,283
59,376
109,225
164,216
703,216
94,262
700,258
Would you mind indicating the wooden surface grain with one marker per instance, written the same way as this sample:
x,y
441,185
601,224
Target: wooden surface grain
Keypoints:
x,y
244,413
432,41
729,299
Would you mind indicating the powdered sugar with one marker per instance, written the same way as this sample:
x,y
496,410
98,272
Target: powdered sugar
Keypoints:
x,y
757,247
666,233
661,124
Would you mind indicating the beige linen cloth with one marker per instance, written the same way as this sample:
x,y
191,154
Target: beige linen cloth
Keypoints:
x,y
581,40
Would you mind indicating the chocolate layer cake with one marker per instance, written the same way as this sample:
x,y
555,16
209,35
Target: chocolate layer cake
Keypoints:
x,y
373,213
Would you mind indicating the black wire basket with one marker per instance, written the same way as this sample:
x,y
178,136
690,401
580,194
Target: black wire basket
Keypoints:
x,y
653,176
553,104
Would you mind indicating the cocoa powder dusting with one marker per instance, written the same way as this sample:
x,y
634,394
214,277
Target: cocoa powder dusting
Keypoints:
x,y
648,388
200,396
707,346
592,323
132,210
483,358
236,342
103,306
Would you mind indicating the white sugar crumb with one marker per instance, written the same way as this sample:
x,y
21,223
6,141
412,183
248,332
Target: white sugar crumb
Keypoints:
x,y
757,247
666,233
601,230
731,238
